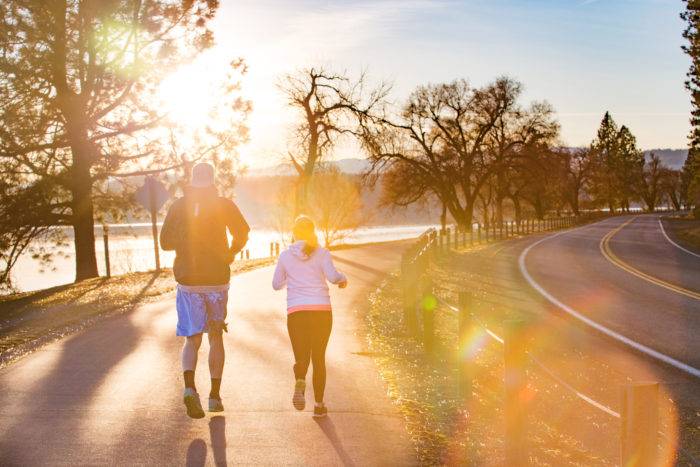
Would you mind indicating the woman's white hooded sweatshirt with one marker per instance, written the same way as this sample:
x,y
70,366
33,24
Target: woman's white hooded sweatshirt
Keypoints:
x,y
306,277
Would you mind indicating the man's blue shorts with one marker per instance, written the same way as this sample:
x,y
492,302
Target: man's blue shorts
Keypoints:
x,y
195,310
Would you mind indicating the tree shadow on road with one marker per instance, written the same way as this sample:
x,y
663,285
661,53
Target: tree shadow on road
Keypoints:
x,y
59,398
363,267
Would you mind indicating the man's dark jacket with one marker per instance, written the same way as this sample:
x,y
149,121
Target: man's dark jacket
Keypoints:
x,y
195,227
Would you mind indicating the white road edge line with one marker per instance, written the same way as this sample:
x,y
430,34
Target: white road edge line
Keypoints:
x,y
599,327
663,231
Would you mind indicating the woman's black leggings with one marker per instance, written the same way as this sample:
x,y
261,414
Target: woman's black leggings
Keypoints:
x,y
309,332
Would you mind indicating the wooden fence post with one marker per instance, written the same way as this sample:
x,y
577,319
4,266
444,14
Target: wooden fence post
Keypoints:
x,y
409,295
465,364
105,239
639,421
428,316
434,242
515,383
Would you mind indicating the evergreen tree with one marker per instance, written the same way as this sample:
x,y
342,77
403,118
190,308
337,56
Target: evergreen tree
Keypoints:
x,y
606,153
629,167
78,86
691,169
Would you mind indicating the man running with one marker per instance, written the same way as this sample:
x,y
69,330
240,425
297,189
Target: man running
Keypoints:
x,y
195,227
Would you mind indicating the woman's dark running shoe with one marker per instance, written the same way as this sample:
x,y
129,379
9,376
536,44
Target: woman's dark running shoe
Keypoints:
x,y
299,400
194,406
320,411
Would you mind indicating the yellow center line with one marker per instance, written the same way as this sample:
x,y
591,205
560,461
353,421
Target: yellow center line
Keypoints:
x,y
614,259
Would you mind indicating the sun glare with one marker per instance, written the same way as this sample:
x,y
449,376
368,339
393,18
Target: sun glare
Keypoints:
x,y
187,96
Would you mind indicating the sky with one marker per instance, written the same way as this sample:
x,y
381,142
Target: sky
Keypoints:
x,y
583,56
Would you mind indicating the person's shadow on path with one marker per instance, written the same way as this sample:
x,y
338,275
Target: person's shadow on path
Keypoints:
x,y
328,428
197,450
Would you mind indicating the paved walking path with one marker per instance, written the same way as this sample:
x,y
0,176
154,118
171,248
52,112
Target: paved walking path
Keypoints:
x,y
112,394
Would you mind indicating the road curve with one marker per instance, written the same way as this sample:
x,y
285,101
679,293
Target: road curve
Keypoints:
x,y
623,274
112,394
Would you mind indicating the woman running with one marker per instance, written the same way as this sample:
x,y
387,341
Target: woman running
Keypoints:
x,y
304,268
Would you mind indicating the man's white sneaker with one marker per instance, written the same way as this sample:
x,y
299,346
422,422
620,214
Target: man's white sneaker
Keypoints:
x,y
193,404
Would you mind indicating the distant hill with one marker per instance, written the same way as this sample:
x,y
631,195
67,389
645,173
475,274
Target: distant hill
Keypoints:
x,y
673,158
352,166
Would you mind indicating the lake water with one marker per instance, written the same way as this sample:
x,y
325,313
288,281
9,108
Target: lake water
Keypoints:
x,y
131,250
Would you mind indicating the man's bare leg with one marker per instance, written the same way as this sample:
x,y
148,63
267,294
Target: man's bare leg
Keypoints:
x,y
216,363
189,365
189,358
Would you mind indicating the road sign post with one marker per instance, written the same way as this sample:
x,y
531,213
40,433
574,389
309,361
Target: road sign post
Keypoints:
x,y
152,196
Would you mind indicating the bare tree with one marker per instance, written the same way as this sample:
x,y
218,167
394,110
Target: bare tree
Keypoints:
x,y
328,105
672,187
450,139
651,182
578,168
335,204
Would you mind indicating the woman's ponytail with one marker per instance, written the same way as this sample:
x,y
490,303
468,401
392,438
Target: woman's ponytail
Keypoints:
x,y
304,229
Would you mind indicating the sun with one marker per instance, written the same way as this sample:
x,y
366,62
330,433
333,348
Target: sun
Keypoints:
x,y
187,96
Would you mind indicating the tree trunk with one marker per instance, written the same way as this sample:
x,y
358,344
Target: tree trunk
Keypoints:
x,y
539,208
301,198
675,201
83,221
518,209
575,206
611,206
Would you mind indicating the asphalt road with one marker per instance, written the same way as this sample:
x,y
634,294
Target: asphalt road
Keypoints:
x,y
622,274
112,394
642,287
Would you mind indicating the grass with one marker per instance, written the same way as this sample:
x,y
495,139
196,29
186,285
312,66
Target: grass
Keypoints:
x,y
685,230
445,428
31,319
